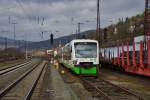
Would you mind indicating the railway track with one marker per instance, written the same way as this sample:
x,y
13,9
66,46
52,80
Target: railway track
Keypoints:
x,y
24,85
135,83
33,87
12,68
105,90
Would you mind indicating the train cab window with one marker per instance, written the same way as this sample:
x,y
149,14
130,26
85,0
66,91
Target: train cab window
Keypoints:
x,y
85,50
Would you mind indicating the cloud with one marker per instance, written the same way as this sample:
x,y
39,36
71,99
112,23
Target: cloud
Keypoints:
x,y
35,16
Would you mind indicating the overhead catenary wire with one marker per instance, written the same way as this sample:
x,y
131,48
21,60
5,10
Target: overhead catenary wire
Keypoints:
x,y
25,13
7,8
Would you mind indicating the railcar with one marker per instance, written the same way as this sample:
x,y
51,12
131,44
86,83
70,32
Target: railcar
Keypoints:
x,y
81,56
133,58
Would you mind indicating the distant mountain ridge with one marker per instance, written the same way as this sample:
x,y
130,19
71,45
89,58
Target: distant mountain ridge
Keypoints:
x,y
11,43
61,40
42,44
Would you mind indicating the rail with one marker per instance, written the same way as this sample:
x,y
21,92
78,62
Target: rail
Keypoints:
x,y
109,91
9,69
15,82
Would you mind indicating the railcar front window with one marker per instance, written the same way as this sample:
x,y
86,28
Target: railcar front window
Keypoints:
x,y
85,50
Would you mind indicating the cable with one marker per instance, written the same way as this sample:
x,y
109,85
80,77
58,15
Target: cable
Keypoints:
x,y
7,8
23,9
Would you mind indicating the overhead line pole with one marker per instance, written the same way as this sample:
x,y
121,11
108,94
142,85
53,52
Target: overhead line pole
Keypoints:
x,y
146,22
14,32
76,34
147,18
79,30
6,46
26,47
98,22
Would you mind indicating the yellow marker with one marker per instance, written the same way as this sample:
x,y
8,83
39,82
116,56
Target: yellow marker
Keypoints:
x,y
62,72
57,65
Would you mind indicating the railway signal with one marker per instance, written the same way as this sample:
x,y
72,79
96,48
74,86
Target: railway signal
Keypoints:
x,y
51,38
98,22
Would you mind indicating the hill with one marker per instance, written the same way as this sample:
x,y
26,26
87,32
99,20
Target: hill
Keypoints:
x,y
61,40
126,28
12,43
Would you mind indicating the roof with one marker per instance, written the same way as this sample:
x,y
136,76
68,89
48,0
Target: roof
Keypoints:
x,y
84,40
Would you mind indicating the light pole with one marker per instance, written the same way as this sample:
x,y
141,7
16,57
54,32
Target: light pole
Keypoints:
x,y
78,31
79,27
26,49
98,21
15,32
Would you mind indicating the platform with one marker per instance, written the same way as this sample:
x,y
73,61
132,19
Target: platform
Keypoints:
x,y
57,89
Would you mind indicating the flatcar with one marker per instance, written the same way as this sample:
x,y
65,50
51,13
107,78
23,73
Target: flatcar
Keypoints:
x,y
131,57
80,56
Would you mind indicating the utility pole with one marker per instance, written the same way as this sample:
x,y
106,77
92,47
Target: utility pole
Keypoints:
x,y
9,20
42,21
147,18
26,50
146,23
14,32
98,22
79,29
26,46
42,35
38,19
78,36
18,45
6,46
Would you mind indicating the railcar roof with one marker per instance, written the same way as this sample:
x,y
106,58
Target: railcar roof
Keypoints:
x,y
84,40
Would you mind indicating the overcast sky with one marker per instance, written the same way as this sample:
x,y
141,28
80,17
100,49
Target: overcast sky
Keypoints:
x,y
60,16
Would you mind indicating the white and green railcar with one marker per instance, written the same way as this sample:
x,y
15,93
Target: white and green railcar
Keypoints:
x,y
81,56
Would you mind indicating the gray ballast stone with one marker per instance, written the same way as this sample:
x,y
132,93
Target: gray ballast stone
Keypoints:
x,y
82,93
60,88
